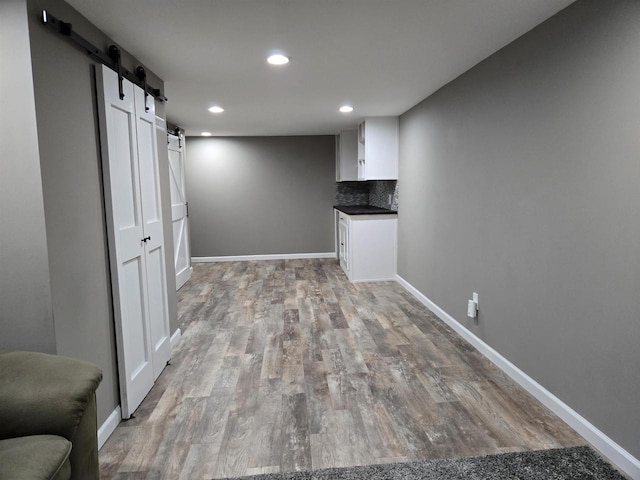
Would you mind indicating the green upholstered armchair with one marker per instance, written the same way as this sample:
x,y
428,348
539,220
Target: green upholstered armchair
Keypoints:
x,y
48,424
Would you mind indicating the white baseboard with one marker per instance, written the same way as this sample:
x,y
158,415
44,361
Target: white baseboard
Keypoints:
x,y
183,277
175,338
392,279
277,256
109,426
601,442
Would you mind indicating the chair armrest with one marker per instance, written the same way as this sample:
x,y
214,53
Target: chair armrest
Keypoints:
x,y
44,394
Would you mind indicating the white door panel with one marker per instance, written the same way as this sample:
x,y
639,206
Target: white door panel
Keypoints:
x,y
157,284
153,231
177,174
149,174
132,202
123,173
179,210
183,260
139,372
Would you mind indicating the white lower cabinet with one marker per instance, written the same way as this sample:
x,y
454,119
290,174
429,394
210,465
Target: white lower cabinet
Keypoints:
x,y
367,246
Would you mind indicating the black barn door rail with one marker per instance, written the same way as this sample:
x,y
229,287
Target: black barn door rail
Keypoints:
x,y
111,60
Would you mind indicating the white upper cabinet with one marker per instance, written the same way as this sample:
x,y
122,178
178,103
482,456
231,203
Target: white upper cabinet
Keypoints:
x,y
378,148
347,156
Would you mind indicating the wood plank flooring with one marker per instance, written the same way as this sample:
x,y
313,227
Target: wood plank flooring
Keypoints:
x,y
285,365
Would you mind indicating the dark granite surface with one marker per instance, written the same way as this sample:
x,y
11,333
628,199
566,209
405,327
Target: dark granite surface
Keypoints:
x,y
364,210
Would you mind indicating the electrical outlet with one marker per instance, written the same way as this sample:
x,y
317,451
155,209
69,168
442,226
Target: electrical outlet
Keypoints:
x,y
472,306
472,309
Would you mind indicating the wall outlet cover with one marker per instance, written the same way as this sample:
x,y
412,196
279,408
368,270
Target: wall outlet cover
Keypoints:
x,y
472,309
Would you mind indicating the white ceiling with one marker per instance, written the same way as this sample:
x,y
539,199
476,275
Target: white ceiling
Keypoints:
x,y
381,56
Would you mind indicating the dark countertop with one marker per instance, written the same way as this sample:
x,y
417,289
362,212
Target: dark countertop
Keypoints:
x,y
364,210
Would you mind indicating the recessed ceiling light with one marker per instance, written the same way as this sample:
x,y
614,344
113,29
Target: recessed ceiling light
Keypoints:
x,y
278,59
206,134
216,109
346,109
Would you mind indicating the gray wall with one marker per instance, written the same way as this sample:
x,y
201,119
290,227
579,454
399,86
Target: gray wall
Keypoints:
x,y
26,320
520,181
260,195
68,137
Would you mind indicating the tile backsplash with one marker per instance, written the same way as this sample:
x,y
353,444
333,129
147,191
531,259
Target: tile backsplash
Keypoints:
x,y
352,193
373,192
381,191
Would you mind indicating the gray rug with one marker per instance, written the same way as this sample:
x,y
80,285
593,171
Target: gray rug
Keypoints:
x,y
578,463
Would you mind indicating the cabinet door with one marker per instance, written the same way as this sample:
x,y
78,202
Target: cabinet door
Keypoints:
x,y
338,158
362,170
378,149
343,237
373,244
362,151
382,148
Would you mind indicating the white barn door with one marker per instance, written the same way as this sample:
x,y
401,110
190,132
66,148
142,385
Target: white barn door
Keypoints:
x,y
134,224
153,231
179,210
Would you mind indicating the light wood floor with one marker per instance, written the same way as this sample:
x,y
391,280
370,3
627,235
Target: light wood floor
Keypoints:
x,y
285,365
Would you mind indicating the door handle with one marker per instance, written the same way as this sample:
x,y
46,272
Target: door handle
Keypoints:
x,y
145,239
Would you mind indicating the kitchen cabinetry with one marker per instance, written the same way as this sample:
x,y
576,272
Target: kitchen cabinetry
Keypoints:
x,y
378,139
367,246
347,156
